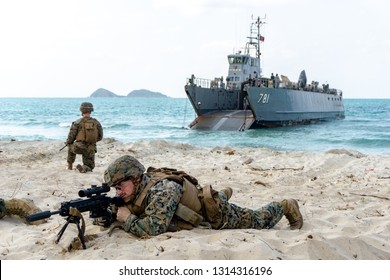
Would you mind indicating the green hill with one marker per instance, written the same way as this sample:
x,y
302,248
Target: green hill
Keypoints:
x,y
101,92
146,93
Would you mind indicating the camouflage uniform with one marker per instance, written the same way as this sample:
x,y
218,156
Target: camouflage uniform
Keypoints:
x,y
75,146
161,202
161,197
3,209
19,207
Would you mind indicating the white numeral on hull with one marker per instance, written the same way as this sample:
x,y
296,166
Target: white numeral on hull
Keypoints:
x,y
264,98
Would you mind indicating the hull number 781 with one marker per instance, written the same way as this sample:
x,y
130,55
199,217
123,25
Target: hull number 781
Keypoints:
x,y
264,98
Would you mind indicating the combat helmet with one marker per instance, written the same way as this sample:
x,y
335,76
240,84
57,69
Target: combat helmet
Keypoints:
x,y
86,107
123,168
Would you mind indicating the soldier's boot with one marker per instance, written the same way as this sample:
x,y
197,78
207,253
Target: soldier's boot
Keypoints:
x,y
70,166
80,168
83,168
87,168
228,192
2,208
22,208
292,213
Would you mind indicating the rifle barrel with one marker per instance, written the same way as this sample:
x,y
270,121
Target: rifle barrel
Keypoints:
x,y
41,215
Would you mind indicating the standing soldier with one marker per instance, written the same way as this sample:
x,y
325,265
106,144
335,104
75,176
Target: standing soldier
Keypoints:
x,y
273,79
82,138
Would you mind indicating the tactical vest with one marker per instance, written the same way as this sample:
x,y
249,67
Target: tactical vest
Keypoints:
x,y
196,205
88,131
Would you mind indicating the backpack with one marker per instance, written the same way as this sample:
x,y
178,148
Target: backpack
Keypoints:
x,y
88,131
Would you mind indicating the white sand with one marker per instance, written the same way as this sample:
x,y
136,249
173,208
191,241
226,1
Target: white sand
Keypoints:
x,y
344,198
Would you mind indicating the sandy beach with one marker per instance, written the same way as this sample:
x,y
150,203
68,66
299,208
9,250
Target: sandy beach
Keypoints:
x,y
344,198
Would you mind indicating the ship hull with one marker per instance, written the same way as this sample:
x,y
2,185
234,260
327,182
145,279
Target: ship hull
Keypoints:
x,y
280,107
205,100
253,107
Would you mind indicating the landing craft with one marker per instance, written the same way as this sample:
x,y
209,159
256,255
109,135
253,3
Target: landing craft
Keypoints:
x,y
247,99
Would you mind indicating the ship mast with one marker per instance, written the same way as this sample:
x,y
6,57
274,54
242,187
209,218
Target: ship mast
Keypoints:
x,y
255,38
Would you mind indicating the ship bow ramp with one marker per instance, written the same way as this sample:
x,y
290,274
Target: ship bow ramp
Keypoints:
x,y
238,120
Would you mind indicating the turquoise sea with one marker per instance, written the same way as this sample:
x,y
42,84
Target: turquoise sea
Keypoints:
x,y
366,127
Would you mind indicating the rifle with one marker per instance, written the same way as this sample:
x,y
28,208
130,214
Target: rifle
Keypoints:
x,y
63,147
97,203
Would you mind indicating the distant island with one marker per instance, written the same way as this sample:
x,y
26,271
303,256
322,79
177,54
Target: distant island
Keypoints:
x,y
101,92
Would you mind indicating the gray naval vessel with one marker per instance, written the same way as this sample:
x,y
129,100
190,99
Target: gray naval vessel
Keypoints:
x,y
249,100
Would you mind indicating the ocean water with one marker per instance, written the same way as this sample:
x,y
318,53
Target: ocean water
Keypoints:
x,y
366,127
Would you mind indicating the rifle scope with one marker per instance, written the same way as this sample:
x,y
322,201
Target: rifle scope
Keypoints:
x,y
94,190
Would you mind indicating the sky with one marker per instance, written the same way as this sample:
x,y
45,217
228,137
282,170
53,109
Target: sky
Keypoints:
x,y
70,48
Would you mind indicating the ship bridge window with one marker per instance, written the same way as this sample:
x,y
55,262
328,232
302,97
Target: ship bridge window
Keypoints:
x,y
238,60
233,79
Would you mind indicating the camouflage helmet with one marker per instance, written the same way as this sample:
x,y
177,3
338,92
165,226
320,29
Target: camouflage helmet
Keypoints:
x,y
86,107
122,169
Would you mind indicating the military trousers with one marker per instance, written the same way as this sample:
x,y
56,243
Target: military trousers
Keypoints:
x,y
236,217
87,152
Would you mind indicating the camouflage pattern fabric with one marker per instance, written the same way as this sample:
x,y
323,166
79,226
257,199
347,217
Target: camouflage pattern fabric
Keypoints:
x,y
86,150
86,107
161,202
2,208
234,217
19,207
122,169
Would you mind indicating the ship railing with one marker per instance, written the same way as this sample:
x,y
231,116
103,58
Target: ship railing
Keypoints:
x,y
268,83
206,83
261,82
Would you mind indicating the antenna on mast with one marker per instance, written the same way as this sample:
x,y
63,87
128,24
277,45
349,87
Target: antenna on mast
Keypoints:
x,y
255,36
260,38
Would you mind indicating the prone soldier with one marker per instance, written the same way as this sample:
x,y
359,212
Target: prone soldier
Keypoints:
x,y
164,199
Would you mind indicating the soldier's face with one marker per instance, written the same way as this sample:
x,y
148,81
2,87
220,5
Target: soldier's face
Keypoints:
x,y
125,189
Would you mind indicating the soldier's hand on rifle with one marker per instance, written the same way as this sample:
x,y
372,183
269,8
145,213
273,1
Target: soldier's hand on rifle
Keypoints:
x,y
101,221
122,214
